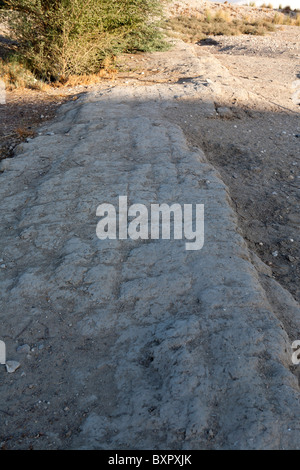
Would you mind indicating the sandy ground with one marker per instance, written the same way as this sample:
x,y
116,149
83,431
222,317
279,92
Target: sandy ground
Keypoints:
x,y
258,152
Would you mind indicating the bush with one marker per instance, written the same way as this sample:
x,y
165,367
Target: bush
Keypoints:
x,y
60,38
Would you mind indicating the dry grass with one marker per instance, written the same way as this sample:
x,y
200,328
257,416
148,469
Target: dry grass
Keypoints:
x,y
288,20
108,72
24,133
197,27
16,76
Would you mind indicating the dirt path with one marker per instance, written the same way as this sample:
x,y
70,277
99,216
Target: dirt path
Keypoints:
x,y
138,344
253,142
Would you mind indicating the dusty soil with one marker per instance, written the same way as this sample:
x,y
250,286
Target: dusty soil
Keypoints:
x,y
257,148
24,112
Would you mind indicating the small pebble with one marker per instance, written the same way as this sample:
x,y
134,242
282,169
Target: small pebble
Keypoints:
x,y
225,112
24,349
12,366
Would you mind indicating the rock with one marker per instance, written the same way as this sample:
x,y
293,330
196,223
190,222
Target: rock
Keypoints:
x,y
12,366
225,112
260,266
208,42
24,349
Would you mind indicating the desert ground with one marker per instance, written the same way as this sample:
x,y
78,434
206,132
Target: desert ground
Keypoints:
x,y
144,345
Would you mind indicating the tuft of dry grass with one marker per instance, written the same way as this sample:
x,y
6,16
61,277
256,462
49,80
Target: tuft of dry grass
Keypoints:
x,y
24,133
15,75
108,71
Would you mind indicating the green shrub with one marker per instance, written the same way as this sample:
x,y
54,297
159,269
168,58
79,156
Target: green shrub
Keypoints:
x,y
60,38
